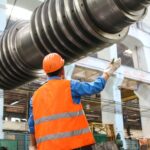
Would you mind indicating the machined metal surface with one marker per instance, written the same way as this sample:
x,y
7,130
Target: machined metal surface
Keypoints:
x,y
72,28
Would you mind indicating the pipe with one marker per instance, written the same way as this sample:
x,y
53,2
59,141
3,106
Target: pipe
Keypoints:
x,y
72,28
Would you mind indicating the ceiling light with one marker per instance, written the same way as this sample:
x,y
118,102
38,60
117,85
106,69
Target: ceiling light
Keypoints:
x,y
128,53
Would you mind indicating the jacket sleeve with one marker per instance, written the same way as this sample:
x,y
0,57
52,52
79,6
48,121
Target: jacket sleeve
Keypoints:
x,y
87,88
30,120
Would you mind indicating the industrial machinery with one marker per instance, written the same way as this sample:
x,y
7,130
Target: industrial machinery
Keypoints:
x,y
72,28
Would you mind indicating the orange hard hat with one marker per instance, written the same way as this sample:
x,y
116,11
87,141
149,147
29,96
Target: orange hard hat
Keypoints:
x,y
52,62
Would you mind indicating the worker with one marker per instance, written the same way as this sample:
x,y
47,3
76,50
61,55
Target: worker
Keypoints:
x,y
57,120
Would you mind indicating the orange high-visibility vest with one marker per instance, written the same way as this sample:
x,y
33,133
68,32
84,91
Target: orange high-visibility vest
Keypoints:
x,y
60,124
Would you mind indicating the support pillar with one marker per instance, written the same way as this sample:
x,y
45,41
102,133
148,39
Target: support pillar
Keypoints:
x,y
2,27
138,41
143,93
111,105
108,53
1,113
143,58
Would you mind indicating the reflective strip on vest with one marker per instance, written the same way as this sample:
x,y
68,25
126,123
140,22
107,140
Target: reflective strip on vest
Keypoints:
x,y
62,135
59,116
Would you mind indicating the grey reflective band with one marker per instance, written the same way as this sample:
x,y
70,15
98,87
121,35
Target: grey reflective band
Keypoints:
x,y
62,135
59,116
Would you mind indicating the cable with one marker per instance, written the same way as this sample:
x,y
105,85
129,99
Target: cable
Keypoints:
x,y
107,103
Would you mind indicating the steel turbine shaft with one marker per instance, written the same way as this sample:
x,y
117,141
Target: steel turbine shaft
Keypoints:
x,y
72,28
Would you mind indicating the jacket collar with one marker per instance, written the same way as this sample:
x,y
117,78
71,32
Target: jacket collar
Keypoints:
x,y
54,77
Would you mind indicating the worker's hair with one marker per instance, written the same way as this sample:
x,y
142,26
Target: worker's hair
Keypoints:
x,y
56,73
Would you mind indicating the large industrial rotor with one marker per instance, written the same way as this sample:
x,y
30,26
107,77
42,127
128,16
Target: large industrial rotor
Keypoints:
x,y
72,28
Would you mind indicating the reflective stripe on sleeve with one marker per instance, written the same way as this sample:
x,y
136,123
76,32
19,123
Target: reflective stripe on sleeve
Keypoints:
x,y
62,135
59,116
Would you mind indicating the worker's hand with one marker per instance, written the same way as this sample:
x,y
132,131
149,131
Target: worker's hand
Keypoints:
x,y
113,66
32,142
32,148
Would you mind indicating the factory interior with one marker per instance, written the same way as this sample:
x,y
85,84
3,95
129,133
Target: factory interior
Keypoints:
x,y
88,34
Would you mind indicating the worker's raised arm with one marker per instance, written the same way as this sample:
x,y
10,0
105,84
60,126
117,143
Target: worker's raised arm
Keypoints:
x,y
89,88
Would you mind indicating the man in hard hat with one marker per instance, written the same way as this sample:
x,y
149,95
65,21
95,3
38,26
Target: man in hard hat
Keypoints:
x,y
57,120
